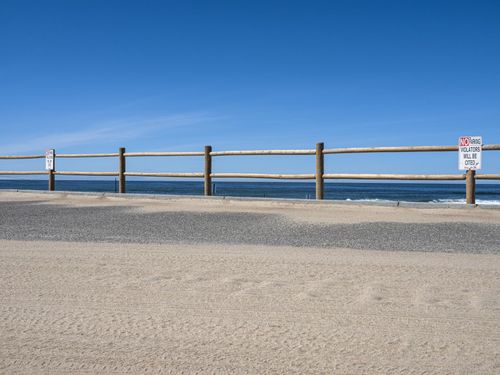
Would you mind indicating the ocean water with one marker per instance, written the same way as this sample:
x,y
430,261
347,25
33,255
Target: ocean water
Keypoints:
x,y
407,192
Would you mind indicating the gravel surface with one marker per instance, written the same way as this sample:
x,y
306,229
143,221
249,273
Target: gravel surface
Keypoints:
x,y
34,221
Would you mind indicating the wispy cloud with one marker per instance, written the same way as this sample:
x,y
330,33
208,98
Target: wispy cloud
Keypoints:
x,y
104,132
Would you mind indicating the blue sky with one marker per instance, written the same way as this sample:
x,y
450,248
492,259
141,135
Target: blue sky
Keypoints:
x,y
91,76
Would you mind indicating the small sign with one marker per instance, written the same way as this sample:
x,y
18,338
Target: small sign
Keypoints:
x,y
49,160
469,152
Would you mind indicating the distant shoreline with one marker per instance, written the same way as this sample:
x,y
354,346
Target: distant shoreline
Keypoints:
x,y
391,193
258,200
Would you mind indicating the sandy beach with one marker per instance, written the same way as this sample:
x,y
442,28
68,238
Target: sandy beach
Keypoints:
x,y
112,285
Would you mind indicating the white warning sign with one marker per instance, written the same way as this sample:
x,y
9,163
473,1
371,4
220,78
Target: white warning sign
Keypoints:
x,y
469,152
49,160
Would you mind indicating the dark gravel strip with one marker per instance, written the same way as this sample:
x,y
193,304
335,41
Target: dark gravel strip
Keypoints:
x,y
33,221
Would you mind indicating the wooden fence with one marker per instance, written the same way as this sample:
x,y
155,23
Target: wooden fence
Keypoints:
x,y
470,177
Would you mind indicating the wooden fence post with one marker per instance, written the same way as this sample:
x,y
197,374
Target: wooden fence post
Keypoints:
x,y
208,170
121,170
470,187
52,176
320,170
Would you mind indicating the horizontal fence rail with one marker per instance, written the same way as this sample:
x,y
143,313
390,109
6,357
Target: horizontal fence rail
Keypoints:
x,y
167,174
263,152
357,150
174,153
358,176
470,177
265,175
488,176
112,155
22,156
78,173
21,172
